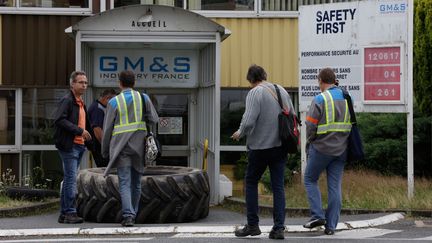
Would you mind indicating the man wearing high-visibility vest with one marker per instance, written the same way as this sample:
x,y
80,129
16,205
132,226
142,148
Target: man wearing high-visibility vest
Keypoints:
x,y
125,129
327,129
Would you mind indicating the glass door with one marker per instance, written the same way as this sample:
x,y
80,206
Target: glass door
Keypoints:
x,y
173,127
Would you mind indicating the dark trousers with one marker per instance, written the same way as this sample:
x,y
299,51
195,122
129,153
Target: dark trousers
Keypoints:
x,y
97,155
258,160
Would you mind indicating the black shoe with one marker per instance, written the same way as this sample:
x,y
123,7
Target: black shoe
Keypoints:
x,y
61,219
277,234
328,231
128,222
72,218
315,223
248,230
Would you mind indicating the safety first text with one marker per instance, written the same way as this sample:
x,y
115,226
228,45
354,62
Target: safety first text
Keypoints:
x,y
333,21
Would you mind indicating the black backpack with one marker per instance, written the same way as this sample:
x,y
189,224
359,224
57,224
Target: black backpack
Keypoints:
x,y
289,124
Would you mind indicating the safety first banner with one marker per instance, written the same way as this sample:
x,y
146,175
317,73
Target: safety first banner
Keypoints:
x,y
365,44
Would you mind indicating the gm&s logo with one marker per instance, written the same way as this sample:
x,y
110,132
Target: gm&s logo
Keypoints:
x,y
393,8
156,64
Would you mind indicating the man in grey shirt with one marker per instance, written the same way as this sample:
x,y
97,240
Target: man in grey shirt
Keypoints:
x,y
260,125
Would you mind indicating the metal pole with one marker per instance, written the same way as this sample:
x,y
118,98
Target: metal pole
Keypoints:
x,y
410,97
303,144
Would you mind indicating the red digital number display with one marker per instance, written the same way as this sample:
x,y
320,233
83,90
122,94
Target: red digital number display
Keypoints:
x,y
382,73
382,55
382,92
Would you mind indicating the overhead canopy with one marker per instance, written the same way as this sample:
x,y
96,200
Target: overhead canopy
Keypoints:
x,y
161,19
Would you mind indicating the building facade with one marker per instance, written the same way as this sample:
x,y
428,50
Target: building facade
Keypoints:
x,y
37,56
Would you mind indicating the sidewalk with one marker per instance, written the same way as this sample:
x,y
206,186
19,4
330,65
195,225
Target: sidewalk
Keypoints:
x,y
219,220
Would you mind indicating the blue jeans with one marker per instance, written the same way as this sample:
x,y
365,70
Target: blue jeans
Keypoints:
x,y
334,165
258,160
71,160
130,190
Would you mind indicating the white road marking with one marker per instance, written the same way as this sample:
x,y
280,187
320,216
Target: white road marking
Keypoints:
x,y
81,240
186,229
350,234
361,233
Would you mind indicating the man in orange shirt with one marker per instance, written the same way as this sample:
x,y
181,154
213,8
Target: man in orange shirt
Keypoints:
x,y
72,134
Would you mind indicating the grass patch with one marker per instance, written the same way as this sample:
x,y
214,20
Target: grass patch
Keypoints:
x,y
18,208
362,190
6,202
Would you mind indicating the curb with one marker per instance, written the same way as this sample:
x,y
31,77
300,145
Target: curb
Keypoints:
x,y
19,211
188,229
305,211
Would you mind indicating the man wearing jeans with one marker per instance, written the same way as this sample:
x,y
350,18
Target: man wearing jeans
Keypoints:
x,y
125,129
72,132
327,129
260,125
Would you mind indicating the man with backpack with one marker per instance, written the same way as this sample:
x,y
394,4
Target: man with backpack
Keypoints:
x,y
260,125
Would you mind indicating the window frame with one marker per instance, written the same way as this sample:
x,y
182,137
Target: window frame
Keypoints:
x,y
257,12
14,148
17,9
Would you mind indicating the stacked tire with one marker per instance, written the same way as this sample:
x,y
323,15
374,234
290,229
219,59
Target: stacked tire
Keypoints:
x,y
168,194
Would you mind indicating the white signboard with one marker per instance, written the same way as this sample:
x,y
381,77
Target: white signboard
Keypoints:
x,y
170,125
153,68
365,44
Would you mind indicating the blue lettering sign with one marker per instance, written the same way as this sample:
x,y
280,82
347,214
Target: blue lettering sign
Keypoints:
x,y
393,8
181,64
158,65
106,66
128,62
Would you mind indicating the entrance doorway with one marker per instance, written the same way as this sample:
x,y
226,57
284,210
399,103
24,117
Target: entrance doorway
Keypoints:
x,y
174,108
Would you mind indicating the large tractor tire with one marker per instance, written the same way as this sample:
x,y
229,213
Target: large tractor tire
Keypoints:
x,y
168,194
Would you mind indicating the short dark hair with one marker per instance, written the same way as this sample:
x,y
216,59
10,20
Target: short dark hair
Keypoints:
x,y
327,75
256,73
127,78
74,76
108,92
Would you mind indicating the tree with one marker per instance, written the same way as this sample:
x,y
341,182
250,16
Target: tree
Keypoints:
x,y
423,55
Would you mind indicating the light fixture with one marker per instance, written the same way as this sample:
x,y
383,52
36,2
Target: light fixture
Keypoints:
x,y
147,17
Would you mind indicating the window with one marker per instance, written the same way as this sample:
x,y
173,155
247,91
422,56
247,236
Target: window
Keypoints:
x,y
232,109
9,167
54,3
237,5
7,3
230,5
174,3
76,7
7,117
38,110
48,162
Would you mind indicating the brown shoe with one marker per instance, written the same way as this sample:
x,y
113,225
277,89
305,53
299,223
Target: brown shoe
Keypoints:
x,y
72,218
